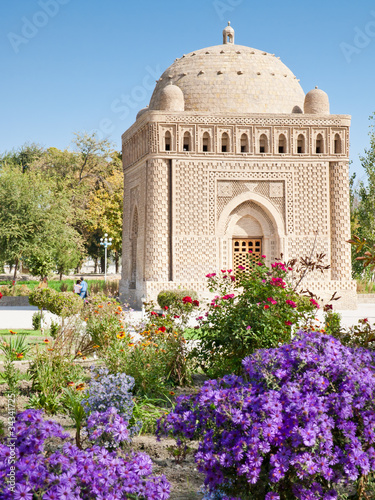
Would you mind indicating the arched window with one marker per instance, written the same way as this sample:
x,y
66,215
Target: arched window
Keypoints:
x,y
263,144
282,143
167,141
319,145
337,144
224,143
133,239
301,144
244,143
206,142
187,141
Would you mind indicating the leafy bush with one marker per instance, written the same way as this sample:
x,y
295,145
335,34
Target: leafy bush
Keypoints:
x,y
65,471
251,310
61,303
104,320
168,298
36,321
15,290
302,425
51,373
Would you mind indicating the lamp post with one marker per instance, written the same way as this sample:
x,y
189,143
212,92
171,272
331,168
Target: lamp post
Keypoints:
x,y
105,242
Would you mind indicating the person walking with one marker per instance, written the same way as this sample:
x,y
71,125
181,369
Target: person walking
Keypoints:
x,y
84,289
77,287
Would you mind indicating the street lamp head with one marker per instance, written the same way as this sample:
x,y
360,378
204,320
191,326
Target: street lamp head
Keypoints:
x,y
110,239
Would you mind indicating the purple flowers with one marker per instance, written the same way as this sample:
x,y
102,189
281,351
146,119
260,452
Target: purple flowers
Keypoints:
x,y
71,473
304,422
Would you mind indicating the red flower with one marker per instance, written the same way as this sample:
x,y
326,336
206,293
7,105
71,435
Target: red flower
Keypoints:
x,y
176,316
266,306
187,300
196,303
162,329
166,308
288,323
1,295
153,313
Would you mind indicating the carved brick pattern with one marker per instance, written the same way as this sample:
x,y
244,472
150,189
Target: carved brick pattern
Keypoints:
x,y
311,205
190,199
303,246
257,177
253,208
256,120
157,250
340,221
238,187
195,256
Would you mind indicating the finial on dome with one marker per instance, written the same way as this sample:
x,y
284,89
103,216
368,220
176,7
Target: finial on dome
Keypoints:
x,y
228,34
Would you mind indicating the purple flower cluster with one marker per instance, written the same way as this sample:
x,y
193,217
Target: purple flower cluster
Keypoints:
x,y
68,472
108,429
107,390
303,422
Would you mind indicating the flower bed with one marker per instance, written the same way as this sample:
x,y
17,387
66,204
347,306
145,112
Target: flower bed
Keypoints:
x,y
303,424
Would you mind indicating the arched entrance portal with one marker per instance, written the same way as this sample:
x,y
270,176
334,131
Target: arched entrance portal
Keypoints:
x,y
250,224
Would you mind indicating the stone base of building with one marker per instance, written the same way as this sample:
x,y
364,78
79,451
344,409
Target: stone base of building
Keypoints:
x,y
324,289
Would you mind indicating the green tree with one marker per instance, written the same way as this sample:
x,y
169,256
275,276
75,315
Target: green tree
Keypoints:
x,y
363,205
34,218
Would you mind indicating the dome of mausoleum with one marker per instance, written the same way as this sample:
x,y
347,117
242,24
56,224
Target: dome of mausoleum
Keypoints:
x,y
229,78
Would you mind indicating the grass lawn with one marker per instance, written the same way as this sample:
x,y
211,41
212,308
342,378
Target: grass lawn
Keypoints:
x,y
33,333
33,337
94,285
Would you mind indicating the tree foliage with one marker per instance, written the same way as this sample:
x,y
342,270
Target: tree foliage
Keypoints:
x,y
363,206
56,204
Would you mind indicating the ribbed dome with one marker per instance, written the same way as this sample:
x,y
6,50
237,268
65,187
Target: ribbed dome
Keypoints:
x,y
231,78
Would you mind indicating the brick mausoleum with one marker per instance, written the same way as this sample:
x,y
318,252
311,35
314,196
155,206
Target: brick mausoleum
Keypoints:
x,y
231,155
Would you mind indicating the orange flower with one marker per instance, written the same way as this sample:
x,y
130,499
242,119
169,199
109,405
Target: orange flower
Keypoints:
x,y
80,387
119,308
12,332
171,393
70,384
46,341
95,346
84,357
130,345
120,335
50,349
121,350
79,353
100,306
19,355
96,311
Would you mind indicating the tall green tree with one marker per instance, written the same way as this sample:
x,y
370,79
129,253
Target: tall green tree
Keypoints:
x,y
34,218
363,203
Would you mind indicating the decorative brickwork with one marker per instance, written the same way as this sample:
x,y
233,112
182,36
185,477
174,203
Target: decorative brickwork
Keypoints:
x,y
230,149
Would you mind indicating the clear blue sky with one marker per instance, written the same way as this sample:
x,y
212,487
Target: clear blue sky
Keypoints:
x,y
78,65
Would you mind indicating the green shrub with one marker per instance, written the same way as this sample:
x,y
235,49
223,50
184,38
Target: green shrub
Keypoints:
x,y
251,310
36,321
168,298
61,303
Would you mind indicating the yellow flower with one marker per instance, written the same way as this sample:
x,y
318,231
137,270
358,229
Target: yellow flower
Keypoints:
x,y
79,353
46,341
80,387
95,346
19,355
100,306
120,335
119,308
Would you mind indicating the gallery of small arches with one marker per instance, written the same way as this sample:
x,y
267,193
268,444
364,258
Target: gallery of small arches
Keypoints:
x,y
263,144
